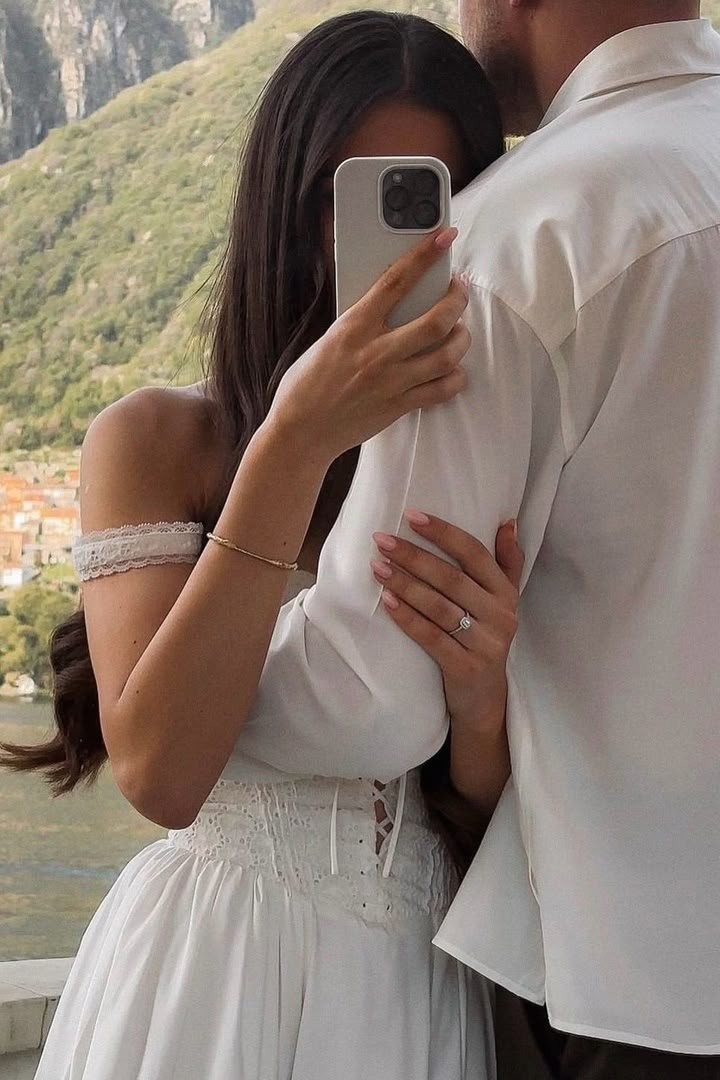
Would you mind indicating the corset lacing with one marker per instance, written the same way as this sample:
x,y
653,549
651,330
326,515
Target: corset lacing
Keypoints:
x,y
386,826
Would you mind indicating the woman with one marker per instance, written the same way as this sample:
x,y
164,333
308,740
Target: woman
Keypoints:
x,y
283,930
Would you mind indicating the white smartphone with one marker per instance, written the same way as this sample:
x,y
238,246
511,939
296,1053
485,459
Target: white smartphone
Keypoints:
x,y
383,206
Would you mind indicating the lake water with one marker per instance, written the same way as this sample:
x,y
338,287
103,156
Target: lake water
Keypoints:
x,y
58,857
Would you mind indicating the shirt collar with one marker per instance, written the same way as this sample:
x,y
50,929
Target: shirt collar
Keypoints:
x,y
642,54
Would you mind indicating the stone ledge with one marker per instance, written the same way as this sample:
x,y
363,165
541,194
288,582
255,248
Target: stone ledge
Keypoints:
x,y
29,993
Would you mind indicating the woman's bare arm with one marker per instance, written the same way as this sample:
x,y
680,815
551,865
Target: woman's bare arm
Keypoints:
x,y
177,650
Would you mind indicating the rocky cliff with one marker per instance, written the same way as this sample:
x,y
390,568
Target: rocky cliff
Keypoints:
x,y
60,60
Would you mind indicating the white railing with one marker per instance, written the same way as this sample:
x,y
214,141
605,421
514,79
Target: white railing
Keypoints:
x,y
29,993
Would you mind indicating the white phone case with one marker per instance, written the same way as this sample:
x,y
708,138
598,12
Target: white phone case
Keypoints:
x,y
365,246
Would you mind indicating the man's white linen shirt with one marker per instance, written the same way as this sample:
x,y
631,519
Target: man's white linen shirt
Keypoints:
x,y
593,414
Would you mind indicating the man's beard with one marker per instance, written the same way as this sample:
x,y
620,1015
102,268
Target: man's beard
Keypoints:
x,y
505,69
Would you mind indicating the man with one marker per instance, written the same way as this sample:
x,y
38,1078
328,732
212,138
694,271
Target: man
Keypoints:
x,y
593,414
606,246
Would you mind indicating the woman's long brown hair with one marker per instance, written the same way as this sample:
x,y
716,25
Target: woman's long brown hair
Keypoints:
x,y
272,296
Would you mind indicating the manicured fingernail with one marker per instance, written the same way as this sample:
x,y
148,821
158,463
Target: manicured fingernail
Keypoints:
x,y
385,542
465,278
416,517
390,600
445,239
381,569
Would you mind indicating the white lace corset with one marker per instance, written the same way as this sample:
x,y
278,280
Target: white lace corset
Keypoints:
x,y
130,547
284,832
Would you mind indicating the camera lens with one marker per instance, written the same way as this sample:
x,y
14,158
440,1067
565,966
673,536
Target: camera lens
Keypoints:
x,y
397,198
426,182
426,214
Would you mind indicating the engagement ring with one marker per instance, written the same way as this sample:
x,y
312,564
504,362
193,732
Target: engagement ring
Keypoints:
x,y
465,624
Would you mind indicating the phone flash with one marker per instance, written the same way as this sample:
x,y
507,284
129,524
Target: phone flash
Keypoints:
x,y
397,178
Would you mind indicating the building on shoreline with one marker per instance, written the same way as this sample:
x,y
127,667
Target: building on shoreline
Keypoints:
x,y
39,519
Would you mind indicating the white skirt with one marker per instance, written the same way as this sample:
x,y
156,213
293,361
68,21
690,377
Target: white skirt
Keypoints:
x,y
248,947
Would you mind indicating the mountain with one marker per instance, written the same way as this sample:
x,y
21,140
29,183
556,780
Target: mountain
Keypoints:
x,y
60,60
110,228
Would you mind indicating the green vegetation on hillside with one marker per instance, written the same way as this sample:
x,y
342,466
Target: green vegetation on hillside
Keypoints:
x,y
112,225
26,622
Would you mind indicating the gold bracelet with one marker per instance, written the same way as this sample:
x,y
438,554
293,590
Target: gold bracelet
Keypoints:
x,y
261,558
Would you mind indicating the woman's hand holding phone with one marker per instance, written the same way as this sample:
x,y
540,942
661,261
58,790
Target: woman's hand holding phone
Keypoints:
x,y
361,376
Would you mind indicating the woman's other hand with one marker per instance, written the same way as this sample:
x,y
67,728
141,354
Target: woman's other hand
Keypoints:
x,y
361,376
431,600
428,597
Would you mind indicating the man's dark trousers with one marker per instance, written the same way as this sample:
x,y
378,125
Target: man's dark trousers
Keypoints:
x,y
529,1049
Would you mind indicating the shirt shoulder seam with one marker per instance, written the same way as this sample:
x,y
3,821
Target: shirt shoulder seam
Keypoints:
x,y
658,246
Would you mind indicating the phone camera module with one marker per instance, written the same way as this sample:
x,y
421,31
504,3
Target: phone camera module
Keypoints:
x,y
411,198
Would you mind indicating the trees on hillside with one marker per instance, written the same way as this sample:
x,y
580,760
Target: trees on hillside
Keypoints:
x,y
30,616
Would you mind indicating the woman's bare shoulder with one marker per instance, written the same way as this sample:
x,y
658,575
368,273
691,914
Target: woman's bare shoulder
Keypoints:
x,y
154,452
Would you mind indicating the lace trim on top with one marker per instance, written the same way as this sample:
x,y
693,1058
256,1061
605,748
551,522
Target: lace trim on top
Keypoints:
x,y
130,547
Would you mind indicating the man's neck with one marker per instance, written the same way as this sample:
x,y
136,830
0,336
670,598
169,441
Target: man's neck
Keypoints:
x,y
582,34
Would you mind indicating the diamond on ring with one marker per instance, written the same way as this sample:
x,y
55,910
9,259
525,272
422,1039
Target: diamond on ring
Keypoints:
x,y
465,624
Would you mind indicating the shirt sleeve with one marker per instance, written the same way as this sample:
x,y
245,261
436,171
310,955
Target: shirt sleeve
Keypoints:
x,y
344,692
